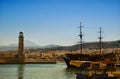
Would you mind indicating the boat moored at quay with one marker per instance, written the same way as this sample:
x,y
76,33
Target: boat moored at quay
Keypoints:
x,y
75,60
92,63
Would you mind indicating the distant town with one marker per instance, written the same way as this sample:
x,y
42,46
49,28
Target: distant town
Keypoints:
x,y
54,54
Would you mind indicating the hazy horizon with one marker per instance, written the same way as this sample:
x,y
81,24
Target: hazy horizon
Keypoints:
x,y
55,21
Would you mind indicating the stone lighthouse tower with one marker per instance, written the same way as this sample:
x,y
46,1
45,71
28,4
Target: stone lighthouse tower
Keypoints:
x,y
21,56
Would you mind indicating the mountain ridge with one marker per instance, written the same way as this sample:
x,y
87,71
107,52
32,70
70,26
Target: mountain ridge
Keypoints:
x,y
90,45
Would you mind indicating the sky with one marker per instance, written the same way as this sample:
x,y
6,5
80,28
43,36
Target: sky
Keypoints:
x,y
47,22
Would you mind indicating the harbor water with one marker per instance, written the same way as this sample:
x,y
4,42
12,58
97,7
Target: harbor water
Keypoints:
x,y
36,71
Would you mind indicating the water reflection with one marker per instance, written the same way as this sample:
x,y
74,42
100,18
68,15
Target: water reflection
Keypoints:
x,y
21,71
40,71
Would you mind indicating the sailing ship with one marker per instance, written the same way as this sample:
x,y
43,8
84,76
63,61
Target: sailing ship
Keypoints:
x,y
87,62
80,59
69,58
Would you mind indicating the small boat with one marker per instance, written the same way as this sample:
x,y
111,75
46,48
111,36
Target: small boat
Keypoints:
x,y
94,76
102,76
98,76
81,76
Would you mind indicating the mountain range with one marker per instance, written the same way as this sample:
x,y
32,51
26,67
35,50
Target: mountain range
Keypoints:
x,y
90,45
27,44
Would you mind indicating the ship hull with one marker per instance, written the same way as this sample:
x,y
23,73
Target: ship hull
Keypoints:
x,y
82,57
69,57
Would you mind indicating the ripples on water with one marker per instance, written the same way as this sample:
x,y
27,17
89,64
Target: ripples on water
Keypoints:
x,y
36,71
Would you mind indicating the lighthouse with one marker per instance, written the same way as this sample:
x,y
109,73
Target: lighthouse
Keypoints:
x,y
21,56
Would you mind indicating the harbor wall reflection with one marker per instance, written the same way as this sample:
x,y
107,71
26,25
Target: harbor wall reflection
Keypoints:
x,y
21,71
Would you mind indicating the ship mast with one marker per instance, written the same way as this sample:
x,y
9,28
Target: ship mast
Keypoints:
x,y
81,35
100,40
